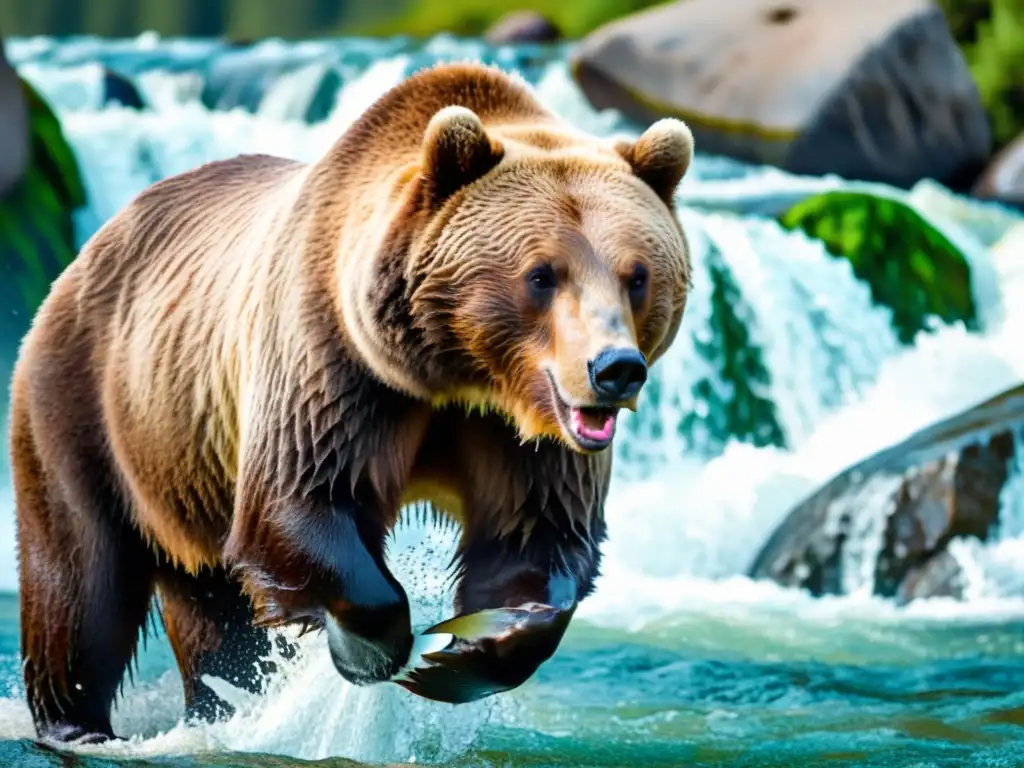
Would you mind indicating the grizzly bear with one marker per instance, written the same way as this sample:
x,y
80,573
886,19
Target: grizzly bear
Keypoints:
x,y
229,396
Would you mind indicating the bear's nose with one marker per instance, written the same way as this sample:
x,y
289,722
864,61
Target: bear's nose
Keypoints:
x,y
618,374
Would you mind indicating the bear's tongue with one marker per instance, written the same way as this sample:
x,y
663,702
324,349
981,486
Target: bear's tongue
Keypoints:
x,y
596,425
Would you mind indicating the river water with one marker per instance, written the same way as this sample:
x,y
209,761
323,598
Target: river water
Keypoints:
x,y
677,659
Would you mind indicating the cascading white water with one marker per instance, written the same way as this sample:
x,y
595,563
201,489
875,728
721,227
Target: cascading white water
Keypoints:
x,y
684,523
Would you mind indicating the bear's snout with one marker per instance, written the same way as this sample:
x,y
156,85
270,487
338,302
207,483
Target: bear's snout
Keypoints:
x,y
617,374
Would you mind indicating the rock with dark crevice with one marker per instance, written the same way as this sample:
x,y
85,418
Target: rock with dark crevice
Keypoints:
x,y
955,496
941,484
938,576
875,90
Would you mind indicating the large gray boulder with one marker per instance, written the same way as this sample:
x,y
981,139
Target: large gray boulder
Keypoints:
x,y
875,90
14,136
942,483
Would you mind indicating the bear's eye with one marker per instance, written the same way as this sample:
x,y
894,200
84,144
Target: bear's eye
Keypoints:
x,y
541,282
637,285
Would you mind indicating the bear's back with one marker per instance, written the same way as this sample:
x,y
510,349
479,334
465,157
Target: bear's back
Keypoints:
x,y
141,337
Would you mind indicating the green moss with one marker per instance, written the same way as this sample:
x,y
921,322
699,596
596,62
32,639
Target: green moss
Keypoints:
x,y
991,35
736,409
37,233
910,266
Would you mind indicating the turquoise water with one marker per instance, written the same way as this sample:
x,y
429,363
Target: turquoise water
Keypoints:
x,y
677,659
699,691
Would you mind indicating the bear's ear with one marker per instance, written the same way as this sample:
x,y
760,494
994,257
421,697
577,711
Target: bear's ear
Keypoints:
x,y
456,151
660,156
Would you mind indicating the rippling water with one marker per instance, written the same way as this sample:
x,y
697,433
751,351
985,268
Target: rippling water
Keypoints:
x,y
677,659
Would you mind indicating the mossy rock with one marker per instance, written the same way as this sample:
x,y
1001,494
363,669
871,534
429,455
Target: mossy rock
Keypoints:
x,y
37,232
989,34
911,267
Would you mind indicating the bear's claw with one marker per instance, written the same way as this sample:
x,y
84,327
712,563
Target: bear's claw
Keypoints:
x,y
479,654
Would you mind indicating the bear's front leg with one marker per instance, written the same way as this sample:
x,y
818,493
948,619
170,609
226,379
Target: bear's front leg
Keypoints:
x,y
367,618
320,561
514,603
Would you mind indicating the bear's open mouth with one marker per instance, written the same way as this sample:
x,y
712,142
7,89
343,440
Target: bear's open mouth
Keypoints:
x,y
591,427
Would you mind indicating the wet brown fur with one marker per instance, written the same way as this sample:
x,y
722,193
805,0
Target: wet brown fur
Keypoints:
x,y
248,340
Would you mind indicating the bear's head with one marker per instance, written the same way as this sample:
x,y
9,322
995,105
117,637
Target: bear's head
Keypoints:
x,y
549,271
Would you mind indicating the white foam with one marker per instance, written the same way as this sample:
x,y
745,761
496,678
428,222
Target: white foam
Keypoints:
x,y
683,527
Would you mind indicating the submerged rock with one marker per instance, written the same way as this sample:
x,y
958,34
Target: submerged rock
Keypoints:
x,y
118,89
875,90
522,27
13,127
942,483
1003,180
308,93
297,88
